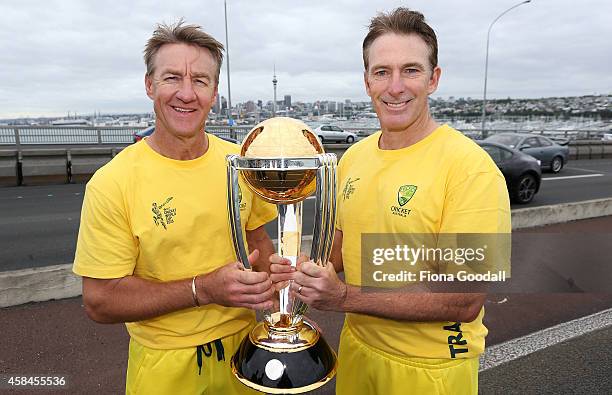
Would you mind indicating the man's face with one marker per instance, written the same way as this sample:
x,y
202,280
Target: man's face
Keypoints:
x,y
183,89
399,80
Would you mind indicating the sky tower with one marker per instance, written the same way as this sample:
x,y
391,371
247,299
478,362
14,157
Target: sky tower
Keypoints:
x,y
274,81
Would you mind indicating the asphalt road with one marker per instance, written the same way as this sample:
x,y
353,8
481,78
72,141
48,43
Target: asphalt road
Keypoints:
x,y
39,224
56,339
579,180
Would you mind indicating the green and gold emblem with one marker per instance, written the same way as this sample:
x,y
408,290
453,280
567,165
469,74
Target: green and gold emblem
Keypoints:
x,y
405,193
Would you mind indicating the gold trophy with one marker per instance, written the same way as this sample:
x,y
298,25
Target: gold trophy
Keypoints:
x,y
283,162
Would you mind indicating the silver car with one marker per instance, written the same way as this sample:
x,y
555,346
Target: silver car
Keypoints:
x,y
552,156
333,134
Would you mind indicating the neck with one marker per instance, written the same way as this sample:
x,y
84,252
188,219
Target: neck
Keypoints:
x,y
392,139
178,148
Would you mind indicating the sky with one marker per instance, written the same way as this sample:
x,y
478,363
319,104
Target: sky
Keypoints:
x,y
61,56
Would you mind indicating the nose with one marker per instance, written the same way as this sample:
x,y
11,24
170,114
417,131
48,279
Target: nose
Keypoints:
x,y
396,84
186,93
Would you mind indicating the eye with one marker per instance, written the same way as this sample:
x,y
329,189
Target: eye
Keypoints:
x,y
201,82
171,78
411,71
380,74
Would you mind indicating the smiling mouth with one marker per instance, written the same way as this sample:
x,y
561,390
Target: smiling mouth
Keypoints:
x,y
182,110
396,104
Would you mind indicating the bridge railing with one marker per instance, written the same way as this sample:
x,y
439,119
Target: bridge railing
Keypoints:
x,y
52,135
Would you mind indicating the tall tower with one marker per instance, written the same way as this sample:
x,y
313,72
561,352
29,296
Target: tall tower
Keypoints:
x,y
274,81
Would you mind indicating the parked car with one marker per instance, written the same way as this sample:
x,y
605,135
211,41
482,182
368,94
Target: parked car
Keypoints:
x,y
139,135
329,133
552,155
522,172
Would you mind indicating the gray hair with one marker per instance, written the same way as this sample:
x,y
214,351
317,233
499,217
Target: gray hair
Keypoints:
x,y
179,33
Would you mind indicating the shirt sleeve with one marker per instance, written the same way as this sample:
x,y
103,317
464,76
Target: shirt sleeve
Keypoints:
x,y
477,218
479,204
262,212
106,247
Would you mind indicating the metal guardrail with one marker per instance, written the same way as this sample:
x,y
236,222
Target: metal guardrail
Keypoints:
x,y
38,166
42,135
570,135
53,135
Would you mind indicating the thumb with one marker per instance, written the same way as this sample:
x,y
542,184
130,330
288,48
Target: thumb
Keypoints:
x,y
253,256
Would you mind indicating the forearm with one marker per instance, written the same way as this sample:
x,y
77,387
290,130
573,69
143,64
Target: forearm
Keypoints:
x,y
259,239
131,298
413,306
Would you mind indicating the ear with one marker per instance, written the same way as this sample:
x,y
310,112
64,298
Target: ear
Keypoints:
x,y
215,95
367,84
149,86
433,81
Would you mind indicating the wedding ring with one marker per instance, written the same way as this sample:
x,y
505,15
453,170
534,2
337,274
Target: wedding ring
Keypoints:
x,y
300,289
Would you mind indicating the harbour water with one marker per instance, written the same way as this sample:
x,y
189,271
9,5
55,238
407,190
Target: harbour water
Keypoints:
x,y
573,128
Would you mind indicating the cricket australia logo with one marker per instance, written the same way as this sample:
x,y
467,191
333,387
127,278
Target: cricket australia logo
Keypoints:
x,y
404,194
348,188
163,214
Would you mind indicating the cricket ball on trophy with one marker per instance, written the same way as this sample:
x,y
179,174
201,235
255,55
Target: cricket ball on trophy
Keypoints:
x,y
284,140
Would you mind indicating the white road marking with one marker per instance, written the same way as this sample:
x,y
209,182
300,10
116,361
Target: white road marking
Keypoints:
x,y
578,168
49,195
568,177
525,345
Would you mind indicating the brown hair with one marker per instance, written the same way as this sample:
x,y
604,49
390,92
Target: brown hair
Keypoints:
x,y
186,34
401,21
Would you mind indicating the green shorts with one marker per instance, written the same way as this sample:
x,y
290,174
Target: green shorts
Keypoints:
x,y
152,371
366,370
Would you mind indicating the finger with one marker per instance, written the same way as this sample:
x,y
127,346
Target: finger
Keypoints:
x,y
253,257
247,298
302,258
248,278
259,288
281,268
280,277
304,279
311,269
297,288
280,285
275,258
301,296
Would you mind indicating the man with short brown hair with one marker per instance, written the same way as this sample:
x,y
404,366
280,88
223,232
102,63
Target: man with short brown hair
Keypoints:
x,y
154,245
412,177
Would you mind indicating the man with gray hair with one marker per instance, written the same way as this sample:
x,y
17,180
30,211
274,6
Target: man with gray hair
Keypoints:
x,y
154,245
413,177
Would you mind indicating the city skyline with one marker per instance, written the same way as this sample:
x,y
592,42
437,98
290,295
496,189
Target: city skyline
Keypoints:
x,y
84,57
599,107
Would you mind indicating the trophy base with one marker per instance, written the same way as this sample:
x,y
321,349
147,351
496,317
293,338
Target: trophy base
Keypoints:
x,y
300,362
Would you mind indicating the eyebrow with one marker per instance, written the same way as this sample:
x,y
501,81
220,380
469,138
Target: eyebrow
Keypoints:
x,y
194,75
409,64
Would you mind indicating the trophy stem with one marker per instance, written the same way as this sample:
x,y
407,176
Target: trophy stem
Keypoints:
x,y
289,242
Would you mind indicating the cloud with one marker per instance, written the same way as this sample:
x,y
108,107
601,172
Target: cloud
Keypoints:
x,y
80,56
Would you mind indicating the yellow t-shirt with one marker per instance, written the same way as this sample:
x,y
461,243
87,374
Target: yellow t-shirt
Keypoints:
x,y
162,219
448,185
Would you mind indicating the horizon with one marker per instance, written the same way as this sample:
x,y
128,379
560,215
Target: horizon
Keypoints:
x,y
69,114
